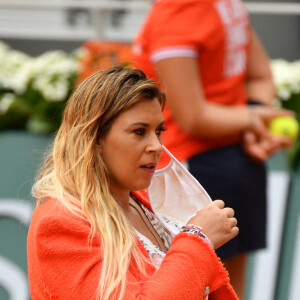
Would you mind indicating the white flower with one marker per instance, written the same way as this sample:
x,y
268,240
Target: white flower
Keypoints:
x,y
52,74
49,77
3,48
12,64
5,101
286,77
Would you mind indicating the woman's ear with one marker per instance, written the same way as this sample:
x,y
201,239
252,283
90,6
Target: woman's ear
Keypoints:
x,y
99,143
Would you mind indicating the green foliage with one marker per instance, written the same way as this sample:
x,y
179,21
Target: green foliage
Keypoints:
x,y
34,90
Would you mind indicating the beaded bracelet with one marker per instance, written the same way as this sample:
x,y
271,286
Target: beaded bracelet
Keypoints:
x,y
196,230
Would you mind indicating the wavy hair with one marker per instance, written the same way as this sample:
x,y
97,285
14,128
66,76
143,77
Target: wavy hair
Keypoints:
x,y
75,173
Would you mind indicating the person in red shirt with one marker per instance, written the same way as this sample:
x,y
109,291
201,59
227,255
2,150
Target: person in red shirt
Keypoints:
x,y
92,235
211,65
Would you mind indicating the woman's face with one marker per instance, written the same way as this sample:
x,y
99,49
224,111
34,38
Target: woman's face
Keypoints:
x,y
132,147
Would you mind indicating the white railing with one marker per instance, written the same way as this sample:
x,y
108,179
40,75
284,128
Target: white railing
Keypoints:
x,y
136,5
92,19
275,8
88,4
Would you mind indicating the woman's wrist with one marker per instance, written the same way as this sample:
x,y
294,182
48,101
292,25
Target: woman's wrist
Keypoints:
x,y
251,102
253,105
198,231
253,118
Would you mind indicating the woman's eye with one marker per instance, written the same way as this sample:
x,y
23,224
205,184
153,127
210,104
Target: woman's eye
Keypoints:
x,y
160,130
139,131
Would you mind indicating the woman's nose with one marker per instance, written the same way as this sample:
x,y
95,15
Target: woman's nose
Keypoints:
x,y
155,144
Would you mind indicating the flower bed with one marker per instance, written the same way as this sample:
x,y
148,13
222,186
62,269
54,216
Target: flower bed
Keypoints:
x,y
287,80
33,90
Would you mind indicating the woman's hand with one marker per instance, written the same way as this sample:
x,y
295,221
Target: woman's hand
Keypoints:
x,y
217,221
260,148
258,142
262,116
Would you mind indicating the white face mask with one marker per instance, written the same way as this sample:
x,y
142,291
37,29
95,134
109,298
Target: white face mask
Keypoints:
x,y
175,193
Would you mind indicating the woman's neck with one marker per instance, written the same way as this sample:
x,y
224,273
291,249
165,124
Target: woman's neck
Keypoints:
x,y
123,199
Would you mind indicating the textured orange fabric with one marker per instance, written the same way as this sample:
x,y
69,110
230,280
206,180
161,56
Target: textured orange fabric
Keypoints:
x,y
99,55
61,264
197,25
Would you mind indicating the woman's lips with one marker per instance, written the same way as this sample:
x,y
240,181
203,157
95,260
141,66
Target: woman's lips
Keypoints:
x,y
150,168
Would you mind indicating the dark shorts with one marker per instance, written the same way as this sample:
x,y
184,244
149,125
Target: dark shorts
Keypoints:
x,y
228,174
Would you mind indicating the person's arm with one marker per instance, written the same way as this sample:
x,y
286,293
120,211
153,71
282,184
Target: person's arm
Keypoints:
x,y
181,81
180,78
260,88
259,82
190,268
64,266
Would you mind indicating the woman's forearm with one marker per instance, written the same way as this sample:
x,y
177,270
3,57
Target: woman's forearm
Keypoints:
x,y
259,83
217,121
190,109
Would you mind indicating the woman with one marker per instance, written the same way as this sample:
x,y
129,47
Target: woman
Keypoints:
x,y
92,235
210,64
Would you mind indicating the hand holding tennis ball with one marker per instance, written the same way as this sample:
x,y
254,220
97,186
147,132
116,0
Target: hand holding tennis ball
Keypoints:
x,y
285,126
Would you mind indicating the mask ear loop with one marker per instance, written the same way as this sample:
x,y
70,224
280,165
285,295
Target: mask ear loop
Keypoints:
x,y
188,219
170,154
169,164
173,159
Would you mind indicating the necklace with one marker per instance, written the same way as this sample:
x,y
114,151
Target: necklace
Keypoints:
x,y
148,225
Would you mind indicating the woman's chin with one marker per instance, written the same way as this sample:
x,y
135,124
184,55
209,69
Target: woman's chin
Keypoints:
x,y
142,186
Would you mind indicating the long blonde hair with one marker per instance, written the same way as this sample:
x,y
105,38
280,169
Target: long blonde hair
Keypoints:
x,y
74,171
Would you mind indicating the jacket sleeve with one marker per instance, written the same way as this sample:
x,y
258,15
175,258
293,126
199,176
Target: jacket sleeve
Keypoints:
x,y
62,262
190,268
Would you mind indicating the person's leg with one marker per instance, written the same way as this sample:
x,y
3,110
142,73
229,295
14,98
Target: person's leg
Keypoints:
x,y
236,267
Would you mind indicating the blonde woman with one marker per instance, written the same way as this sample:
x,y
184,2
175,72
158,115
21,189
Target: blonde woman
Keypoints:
x,y
92,235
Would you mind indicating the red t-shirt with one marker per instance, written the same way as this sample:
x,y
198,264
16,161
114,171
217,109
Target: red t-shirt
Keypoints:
x,y
217,33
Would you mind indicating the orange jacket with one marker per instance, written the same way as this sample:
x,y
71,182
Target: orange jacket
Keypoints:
x,y
61,264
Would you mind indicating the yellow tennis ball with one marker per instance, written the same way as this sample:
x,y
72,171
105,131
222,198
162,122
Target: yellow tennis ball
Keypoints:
x,y
285,126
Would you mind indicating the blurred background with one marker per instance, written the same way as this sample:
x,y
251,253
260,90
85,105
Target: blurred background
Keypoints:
x,y
47,47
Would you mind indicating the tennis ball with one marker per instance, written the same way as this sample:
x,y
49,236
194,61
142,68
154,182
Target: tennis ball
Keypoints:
x,y
285,126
